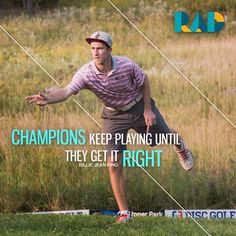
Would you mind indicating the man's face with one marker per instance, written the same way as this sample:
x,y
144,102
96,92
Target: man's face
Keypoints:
x,y
100,52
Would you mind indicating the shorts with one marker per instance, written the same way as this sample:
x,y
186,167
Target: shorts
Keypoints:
x,y
121,121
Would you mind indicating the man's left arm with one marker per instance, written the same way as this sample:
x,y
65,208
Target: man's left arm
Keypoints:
x,y
149,116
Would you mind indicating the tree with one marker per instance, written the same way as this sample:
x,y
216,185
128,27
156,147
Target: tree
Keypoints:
x,y
28,7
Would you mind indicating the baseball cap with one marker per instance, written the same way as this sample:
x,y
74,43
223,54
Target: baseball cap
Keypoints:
x,y
101,37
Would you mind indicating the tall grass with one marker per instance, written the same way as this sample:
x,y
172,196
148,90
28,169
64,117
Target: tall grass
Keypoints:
x,y
38,177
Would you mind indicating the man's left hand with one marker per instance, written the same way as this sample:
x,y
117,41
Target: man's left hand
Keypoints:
x,y
150,119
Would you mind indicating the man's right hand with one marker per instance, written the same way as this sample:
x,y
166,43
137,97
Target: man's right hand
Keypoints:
x,y
57,95
39,99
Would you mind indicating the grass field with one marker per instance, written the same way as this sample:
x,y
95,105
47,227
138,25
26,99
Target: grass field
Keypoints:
x,y
38,177
105,225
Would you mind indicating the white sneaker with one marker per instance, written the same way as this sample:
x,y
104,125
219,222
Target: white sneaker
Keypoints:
x,y
185,155
125,216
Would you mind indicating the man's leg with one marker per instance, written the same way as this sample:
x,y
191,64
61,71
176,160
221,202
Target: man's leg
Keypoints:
x,y
184,154
117,183
118,187
117,122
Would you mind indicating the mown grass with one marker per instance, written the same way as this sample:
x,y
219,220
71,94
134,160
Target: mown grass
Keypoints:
x,y
105,225
38,177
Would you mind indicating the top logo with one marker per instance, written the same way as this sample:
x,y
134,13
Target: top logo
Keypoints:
x,y
97,36
215,23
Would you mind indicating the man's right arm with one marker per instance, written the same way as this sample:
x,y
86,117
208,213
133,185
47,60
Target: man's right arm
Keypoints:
x,y
55,96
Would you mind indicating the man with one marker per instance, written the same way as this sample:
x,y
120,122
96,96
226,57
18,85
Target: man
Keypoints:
x,y
124,89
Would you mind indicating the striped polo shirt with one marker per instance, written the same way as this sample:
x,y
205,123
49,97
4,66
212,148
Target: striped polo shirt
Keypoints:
x,y
116,89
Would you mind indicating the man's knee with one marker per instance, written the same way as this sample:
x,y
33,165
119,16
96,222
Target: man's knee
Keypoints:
x,y
115,164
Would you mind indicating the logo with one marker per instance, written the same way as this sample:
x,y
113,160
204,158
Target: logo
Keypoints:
x,y
215,23
148,213
202,214
97,36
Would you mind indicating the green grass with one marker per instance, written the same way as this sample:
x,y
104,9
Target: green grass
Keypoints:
x,y
105,225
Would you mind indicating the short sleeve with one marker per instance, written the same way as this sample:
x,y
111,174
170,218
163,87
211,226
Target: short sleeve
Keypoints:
x,y
78,82
139,75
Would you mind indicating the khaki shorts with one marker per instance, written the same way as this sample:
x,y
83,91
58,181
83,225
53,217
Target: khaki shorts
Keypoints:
x,y
122,121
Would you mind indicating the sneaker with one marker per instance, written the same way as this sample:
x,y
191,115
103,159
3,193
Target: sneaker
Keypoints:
x,y
125,216
185,155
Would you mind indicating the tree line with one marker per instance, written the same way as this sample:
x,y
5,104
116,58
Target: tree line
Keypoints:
x,y
30,6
